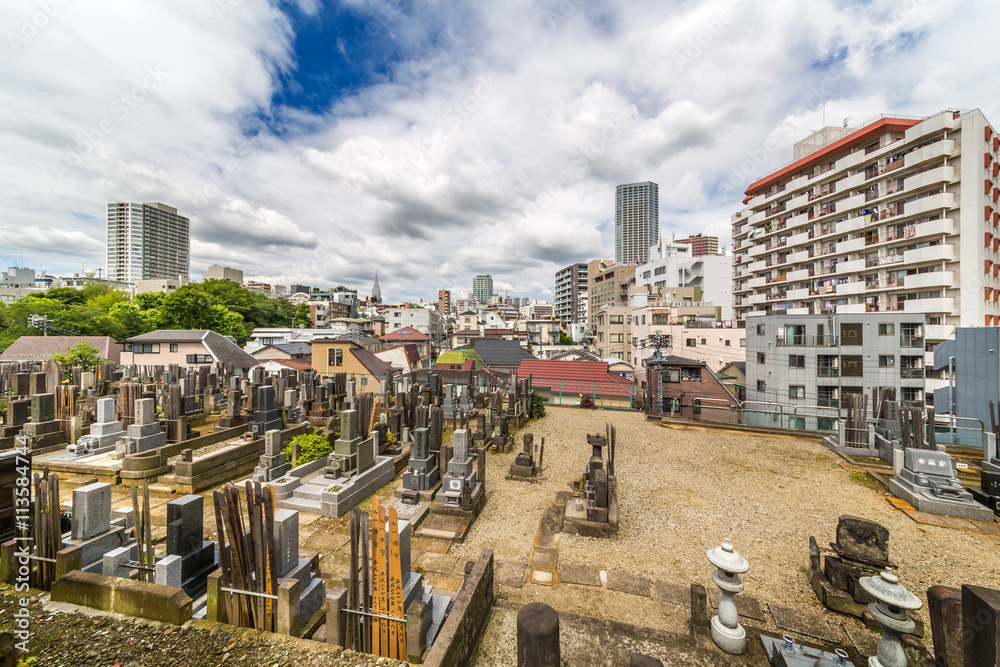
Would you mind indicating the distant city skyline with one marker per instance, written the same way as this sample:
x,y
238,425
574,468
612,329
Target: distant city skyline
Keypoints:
x,y
452,141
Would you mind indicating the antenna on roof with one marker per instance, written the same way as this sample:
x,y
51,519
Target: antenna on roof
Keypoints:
x,y
848,119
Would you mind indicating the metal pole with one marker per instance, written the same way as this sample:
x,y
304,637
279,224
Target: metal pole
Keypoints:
x,y
951,396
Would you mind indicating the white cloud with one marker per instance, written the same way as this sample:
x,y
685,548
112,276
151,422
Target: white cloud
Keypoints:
x,y
494,146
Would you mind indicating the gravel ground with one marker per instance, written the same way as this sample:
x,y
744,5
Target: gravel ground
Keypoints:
x,y
683,490
62,638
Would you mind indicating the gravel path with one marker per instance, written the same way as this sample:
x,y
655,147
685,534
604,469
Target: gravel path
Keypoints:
x,y
683,490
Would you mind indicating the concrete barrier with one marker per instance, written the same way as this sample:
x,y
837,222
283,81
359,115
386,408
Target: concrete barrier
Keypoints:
x,y
469,613
124,596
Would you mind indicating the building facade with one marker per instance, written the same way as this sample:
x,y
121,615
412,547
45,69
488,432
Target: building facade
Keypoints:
x,y
482,288
701,244
571,282
607,284
637,221
444,302
147,241
219,272
817,361
674,265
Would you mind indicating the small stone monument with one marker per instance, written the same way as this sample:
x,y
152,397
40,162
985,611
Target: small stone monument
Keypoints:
x,y
462,470
104,433
727,633
272,464
91,527
42,429
266,417
892,601
926,479
422,473
862,547
524,463
144,434
189,557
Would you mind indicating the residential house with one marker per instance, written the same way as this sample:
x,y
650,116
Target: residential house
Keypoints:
x,y
285,351
186,348
734,376
405,358
573,382
41,348
410,335
500,355
459,360
330,356
680,387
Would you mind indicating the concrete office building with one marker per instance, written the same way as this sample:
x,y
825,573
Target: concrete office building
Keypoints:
x,y
147,241
607,285
219,272
637,221
444,302
570,283
816,361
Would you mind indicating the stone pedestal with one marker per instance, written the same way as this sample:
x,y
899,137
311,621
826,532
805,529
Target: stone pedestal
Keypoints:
x,y
189,558
104,433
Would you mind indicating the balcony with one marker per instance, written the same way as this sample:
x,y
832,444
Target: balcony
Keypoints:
x,y
931,152
911,341
939,332
852,245
856,287
803,340
930,279
937,305
942,174
828,372
934,253
851,308
849,267
932,203
911,373
934,227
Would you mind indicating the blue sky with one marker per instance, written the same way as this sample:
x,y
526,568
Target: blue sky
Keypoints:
x,y
315,142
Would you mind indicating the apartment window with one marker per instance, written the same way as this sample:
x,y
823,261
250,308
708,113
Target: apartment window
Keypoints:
x,y
671,375
335,357
199,358
885,329
796,391
761,357
797,423
659,271
173,347
796,361
760,329
615,319
704,341
691,342
691,374
643,319
615,338
146,348
761,386
826,423
743,342
886,360
729,343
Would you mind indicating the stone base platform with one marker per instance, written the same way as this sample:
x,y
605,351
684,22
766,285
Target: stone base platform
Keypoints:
x,y
973,511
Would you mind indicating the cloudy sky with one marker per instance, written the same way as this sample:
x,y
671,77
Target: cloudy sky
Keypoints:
x,y
316,142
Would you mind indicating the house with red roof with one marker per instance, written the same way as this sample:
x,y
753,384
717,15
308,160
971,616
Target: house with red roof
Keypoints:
x,y
570,382
409,335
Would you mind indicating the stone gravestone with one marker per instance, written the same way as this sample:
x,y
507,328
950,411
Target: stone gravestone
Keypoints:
x,y
981,625
42,430
104,432
273,464
144,434
189,557
422,473
862,546
289,565
461,470
926,479
18,412
266,417
524,462
91,527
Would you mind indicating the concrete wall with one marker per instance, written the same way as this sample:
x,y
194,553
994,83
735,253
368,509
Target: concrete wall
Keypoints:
x,y
124,596
460,632
977,373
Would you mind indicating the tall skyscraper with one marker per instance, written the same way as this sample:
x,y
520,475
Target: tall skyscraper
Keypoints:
x,y
147,241
482,287
571,282
637,221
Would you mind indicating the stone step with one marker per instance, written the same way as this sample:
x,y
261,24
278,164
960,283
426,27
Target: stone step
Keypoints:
x,y
161,488
301,505
308,492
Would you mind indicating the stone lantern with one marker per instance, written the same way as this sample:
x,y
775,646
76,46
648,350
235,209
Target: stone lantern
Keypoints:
x,y
892,601
727,633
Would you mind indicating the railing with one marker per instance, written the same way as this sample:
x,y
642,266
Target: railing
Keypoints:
x,y
907,372
895,164
909,340
803,340
871,239
828,371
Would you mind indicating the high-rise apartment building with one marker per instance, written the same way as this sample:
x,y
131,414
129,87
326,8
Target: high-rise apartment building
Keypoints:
x,y
701,244
147,241
571,282
637,221
672,265
900,215
607,286
444,302
482,287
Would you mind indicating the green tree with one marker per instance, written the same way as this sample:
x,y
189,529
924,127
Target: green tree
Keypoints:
x,y
565,340
303,316
66,295
186,308
82,354
149,300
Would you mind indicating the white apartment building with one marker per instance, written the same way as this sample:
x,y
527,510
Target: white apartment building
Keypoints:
x,y
147,241
537,310
425,320
899,215
571,282
673,265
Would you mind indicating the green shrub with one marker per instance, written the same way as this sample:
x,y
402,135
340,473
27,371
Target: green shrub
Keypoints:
x,y
311,447
537,404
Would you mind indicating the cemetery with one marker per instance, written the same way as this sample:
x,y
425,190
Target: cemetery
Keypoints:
x,y
446,526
